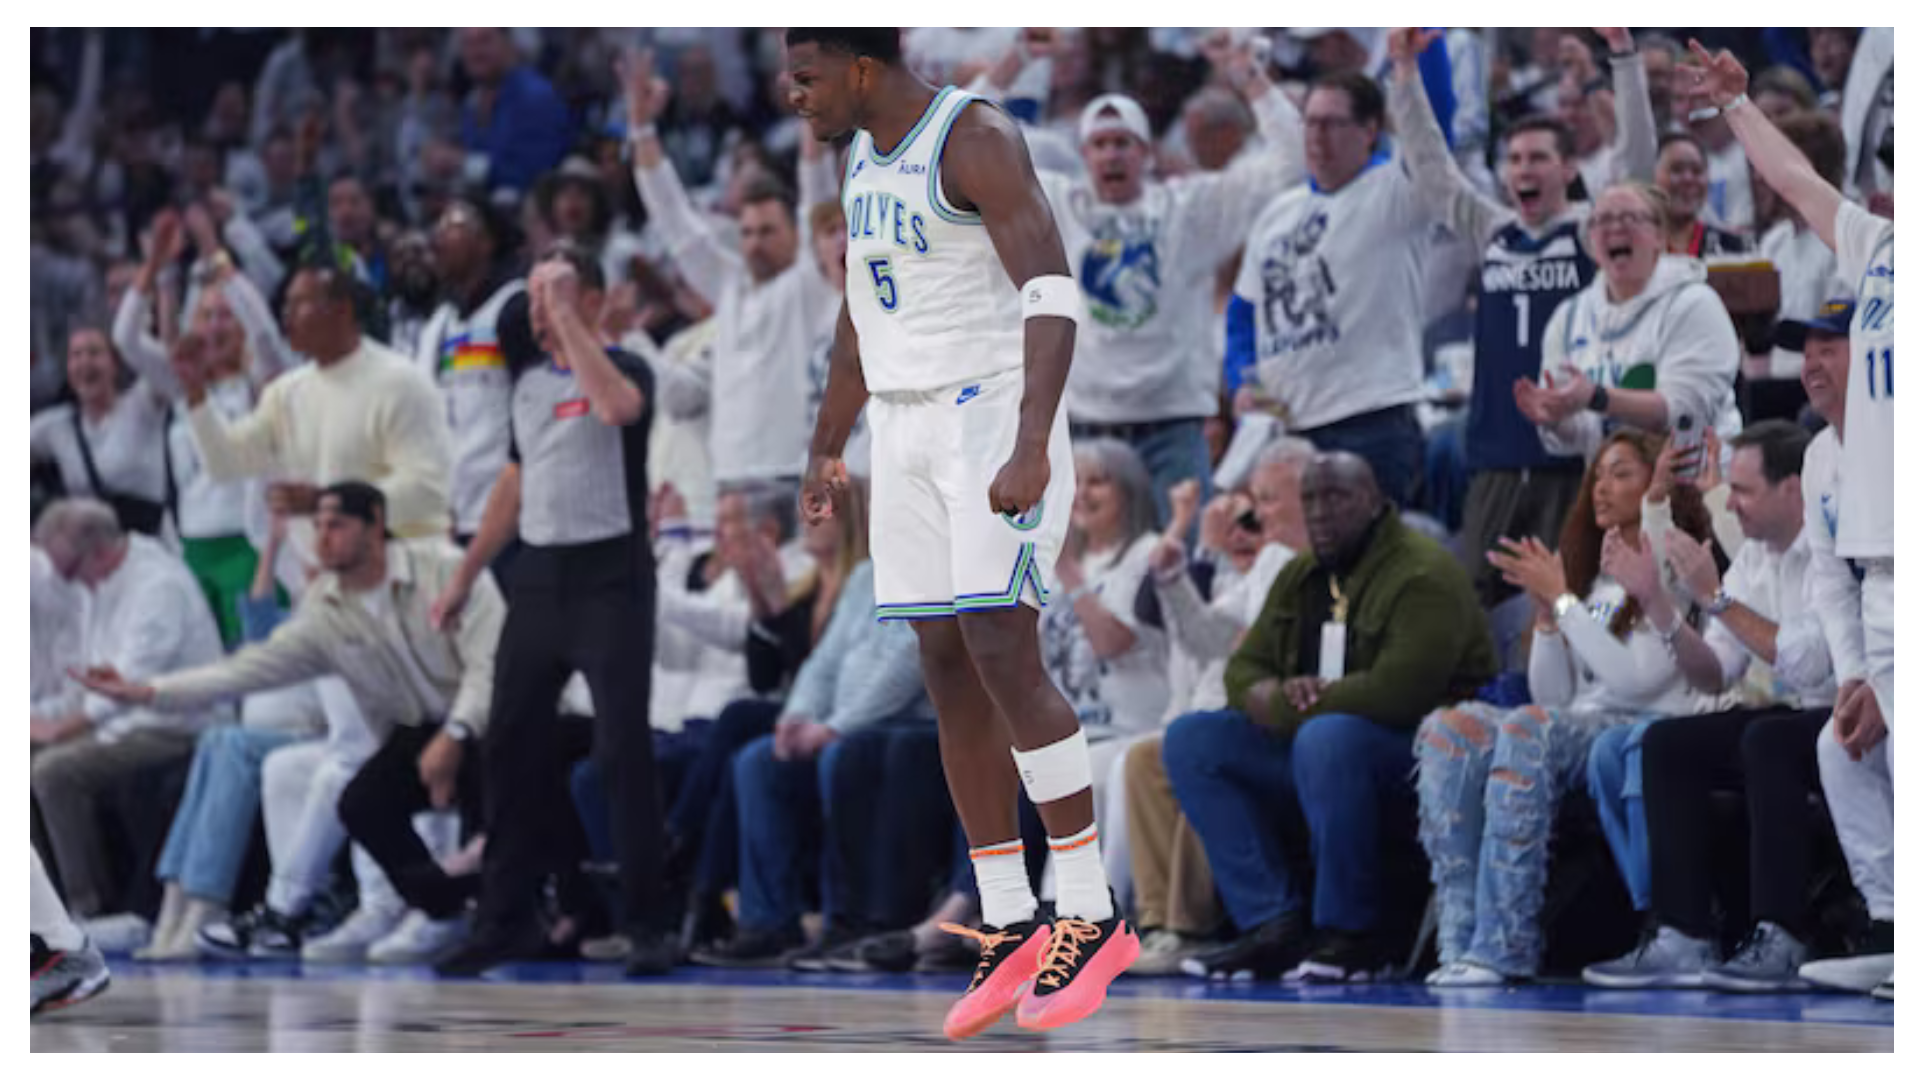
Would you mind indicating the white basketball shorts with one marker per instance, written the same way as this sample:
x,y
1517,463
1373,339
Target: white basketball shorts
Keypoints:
x,y
939,547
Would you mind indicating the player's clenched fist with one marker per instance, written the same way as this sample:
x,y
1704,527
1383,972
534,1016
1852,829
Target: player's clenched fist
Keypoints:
x,y
825,486
1021,482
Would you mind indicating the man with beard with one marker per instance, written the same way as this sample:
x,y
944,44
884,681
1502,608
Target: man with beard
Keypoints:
x,y
1359,639
413,289
461,351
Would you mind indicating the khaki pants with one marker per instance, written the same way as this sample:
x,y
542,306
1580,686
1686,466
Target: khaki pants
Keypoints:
x,y
68,780
1173,887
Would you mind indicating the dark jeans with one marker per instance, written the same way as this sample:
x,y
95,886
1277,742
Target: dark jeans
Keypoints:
x,y
891,831
1273,812
674,753
586,608
1770,755
1389,439
377,808
704,818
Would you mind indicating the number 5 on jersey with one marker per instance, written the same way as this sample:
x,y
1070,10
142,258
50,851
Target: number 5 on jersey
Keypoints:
x,y
884,288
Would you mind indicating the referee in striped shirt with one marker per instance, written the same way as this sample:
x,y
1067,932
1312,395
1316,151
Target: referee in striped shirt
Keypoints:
x,y
580,597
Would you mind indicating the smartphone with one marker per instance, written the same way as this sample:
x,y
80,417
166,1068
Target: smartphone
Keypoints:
x,y
1689,441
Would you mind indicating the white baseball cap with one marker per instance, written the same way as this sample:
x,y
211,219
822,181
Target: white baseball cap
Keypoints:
x,y
1115,112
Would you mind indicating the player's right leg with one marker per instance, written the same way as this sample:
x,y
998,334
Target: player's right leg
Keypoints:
x,y
67,969
912,544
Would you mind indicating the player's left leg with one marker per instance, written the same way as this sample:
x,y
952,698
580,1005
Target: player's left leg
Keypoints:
x,y
1090,943
67,969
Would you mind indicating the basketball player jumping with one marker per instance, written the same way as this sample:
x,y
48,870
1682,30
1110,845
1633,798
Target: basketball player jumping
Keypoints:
x,y
958,330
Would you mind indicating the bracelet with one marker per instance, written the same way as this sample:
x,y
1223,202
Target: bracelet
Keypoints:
x,y
1698,115
1598,402
1564,604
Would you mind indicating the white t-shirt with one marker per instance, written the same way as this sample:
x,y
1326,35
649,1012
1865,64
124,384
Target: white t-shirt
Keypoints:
x,y
126,444
1864,243
1335,281
1123,695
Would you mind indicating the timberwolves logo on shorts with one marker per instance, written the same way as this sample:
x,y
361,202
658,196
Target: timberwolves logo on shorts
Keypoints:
x,y
1027,521
1120,274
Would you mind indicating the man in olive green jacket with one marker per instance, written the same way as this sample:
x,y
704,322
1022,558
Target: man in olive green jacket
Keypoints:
x,y
1308,774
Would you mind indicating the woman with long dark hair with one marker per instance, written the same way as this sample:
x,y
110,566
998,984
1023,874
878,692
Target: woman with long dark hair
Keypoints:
x,y
1490,778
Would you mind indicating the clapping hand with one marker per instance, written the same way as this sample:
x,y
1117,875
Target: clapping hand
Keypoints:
x,y
1529,566
1693,565
1630,562
1555,401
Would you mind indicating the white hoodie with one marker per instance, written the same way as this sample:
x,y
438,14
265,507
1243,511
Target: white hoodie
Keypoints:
x,y
1675,337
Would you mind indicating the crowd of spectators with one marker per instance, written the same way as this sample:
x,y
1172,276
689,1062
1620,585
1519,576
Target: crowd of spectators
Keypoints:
x,y
1440,423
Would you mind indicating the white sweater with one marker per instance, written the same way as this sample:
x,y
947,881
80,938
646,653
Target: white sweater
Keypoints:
x,y
1675,338
1587,671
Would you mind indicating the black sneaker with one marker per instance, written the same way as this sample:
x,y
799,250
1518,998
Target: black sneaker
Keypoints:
x,y
1268,951
947,954
752,948
1342,957
891,952
816,957
489,948
651,953
261,933
1081,960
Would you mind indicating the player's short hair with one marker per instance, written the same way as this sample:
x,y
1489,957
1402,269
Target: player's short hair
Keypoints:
x,y
1552,125
1782,445
882,43
585,266
1818,136
1369,104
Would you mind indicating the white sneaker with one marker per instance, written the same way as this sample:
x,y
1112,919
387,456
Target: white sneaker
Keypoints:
x,y
1161,952
348,943
1461,974
419,940
124,933
1667,960
1858,974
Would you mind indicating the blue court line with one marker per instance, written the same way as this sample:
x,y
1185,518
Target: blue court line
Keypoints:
x,y
1539,997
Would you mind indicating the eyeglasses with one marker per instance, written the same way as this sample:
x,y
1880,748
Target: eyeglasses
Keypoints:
x,y
1625,217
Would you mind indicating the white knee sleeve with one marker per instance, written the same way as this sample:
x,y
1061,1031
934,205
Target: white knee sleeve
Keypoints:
x,y
1055,770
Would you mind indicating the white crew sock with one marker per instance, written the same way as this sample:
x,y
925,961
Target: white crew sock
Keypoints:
x,y
1006,897
47,915
1082,877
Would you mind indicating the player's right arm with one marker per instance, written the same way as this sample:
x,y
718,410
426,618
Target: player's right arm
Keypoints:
x,y
840,406
1779,162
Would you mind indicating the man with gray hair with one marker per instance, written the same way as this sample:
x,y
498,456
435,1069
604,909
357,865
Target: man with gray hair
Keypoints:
x,y
146,616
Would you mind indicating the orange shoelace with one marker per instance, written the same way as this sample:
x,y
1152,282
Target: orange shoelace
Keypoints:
x,y
1063,948
988,943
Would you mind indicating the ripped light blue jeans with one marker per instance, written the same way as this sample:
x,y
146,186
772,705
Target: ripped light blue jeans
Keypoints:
x,y
1490,784
1613,779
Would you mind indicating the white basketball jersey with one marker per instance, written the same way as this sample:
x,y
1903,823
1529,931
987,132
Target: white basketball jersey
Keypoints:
x,y
1865,250
925,289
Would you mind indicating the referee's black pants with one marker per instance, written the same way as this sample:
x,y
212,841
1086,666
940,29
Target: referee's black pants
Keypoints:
x,y
1767,754
586,608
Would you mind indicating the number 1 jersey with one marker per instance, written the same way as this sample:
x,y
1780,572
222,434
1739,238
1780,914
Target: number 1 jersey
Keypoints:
x,y
1864,244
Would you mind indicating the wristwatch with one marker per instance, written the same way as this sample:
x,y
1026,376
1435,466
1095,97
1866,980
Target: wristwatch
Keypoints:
x,y
1566,602
458,732
1718,604
1598,402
